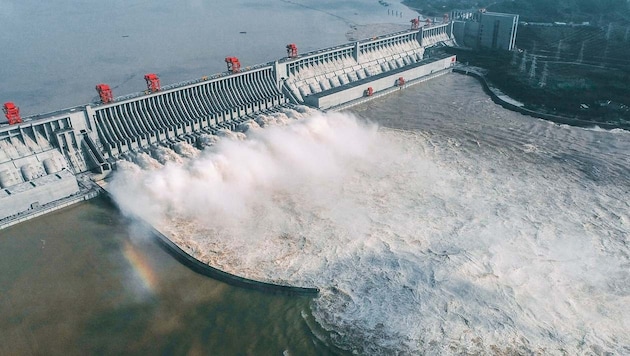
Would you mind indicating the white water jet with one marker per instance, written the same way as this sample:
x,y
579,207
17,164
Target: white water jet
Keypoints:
x,y
186,150
248,125
145,161
420,243
164,154
206,140
229,134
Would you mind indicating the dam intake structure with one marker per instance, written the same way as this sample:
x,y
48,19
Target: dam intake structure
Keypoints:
x,y
51,160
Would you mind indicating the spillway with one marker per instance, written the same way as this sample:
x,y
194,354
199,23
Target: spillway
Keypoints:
x,y
49,160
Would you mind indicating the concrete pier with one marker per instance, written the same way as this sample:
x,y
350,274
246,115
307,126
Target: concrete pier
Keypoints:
x,y
41,157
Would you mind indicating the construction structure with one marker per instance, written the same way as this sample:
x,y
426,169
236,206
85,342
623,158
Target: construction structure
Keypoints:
x,y
153,82
105,93
292,51
485,30
12,113
45,158
233,64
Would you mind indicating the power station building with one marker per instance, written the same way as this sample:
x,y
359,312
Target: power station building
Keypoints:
x,y
485,30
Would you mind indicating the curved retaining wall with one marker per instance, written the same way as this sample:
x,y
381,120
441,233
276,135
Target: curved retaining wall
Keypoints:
x,y
215,273
223,276
554,118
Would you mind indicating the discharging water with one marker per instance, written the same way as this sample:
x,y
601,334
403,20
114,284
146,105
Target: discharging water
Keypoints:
x,y
86,281
450,225
455,227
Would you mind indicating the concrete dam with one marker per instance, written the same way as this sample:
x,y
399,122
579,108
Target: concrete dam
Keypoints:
x,y
51,160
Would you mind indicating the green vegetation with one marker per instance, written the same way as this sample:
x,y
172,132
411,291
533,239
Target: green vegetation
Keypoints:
x,y
574,71
577,11
580,90
567,69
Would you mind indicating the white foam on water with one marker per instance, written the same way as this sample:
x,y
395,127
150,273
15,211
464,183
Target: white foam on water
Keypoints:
x,y
615,131
207,140
229,134
145,161
421,243
164,154
185,150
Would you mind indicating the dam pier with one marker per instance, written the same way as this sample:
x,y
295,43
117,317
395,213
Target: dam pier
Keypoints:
x,y
48,160
53,160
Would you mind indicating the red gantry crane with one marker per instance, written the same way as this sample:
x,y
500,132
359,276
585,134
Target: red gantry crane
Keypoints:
x,y
292,51
233,64
105,93
153,82
12,113
415,24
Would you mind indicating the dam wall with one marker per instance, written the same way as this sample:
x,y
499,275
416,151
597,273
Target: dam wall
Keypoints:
x,y
37,192
184,112
437,35
39,160
329,78
41,156
339,96
323,71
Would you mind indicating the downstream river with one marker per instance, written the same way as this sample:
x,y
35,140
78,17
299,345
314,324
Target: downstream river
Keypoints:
x,y
492,231
433,220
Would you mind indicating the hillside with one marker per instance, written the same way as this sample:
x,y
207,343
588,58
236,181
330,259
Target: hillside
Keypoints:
x,y
580,72
576,11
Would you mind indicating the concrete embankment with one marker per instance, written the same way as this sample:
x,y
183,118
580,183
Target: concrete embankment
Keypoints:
x,y
215,273
223,276
501,99
48,208
85,189
388,91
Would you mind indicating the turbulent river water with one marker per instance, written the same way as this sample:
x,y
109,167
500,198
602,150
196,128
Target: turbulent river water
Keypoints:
x,y
433,220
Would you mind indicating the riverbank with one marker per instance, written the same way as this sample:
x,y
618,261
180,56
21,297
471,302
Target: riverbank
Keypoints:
x,y
573,85
509,103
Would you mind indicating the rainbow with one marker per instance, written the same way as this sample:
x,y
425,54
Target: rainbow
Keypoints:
x,y
141,267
